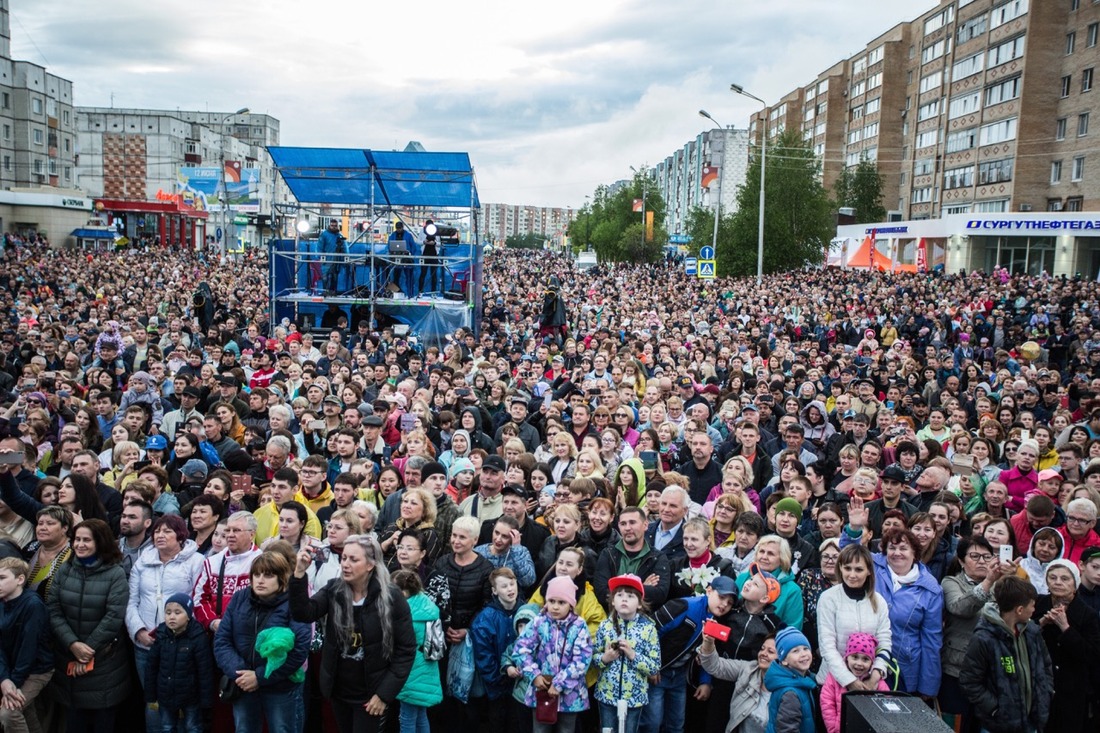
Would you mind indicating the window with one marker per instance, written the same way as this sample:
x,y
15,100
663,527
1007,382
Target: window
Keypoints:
x,y
958,178
1071,42
972,28
1054,204
930,82
923,167
1075,203
1082,124
927,111
1002,91
859,88
53,166
872,106
964,105
819,129
875,56
937,49
991,207
822,107
7,162
1060,129
1086,80
38,137
823,86
808,114
874,81
1078,168
870,131
1056,172
5,99
1066,81
921,195
857,112
859,66
855,136
1007,51
68,173
1006,12
65,117
1094,31
871,153
928,138
995,171
852,158
37,165
998,132
957,209
36,106
961,140
967,67
810,92
939,20
7,132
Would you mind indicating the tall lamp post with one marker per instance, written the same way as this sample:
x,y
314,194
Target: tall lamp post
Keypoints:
x,y
587,223
738,89
225,187
718,202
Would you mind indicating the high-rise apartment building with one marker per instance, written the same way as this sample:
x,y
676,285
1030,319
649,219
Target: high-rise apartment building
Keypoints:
x,y
716,160
975,106
500,221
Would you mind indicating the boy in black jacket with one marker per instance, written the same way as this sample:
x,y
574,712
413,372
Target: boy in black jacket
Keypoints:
x,y
26,657
1007,675
179,675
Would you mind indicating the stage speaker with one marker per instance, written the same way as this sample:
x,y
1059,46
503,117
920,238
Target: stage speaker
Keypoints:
x,y
454,295
888,712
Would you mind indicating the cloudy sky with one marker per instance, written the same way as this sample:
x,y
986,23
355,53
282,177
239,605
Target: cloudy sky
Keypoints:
x,y
550,99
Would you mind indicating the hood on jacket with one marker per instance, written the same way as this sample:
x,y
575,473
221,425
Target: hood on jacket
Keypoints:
x,y
1043,532
422,608
469,441
525,614
150,555
635,466
820,407
477,417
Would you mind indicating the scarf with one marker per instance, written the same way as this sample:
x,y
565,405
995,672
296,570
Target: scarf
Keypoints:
x,y
702,560
899,580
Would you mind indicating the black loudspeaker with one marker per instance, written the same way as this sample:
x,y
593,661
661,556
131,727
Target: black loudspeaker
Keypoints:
x,y
888,712
454,295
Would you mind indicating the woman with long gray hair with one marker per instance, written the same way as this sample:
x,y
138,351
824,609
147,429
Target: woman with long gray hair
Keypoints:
x,y
369,643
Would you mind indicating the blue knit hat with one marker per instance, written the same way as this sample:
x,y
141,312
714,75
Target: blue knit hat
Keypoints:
x,y
787,640
185,601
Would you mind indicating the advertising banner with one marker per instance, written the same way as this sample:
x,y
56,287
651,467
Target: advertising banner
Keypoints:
x,y
205,183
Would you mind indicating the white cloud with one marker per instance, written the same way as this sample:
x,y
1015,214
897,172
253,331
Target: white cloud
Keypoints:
x,y
550,99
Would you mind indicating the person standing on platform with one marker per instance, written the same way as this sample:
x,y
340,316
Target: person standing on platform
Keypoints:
x,y
405,256
430,269
332,243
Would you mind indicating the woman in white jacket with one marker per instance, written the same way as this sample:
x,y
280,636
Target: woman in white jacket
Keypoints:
x,y
170,565
853,606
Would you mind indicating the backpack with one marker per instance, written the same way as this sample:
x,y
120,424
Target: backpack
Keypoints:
x,y
435,644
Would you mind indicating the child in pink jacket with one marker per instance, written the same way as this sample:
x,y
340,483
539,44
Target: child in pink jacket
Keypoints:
x,y
859,656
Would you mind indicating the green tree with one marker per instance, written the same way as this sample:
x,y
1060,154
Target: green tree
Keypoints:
x,y
615,229
700,227
798,213
525,241
860,187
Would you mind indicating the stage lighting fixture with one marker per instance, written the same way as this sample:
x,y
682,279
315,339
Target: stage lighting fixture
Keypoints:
x,y
302,226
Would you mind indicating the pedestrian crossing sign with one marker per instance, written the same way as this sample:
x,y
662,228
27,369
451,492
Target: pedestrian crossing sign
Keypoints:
x,y
706,269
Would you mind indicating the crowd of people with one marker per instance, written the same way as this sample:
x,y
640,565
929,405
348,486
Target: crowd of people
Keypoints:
x,y
678,503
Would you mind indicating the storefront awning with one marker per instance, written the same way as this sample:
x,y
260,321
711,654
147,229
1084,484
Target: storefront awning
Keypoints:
x,y
93,234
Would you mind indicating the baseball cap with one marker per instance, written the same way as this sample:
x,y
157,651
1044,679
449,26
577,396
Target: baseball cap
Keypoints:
x,y
156,442
684,382
723,586
893,473
194,468
493,463
332,400
373,421
191,392
515,490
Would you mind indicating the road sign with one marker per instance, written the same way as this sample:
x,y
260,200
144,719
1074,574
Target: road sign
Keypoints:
x,y
240,219
218,234
689,265
706,252
706,269
679,238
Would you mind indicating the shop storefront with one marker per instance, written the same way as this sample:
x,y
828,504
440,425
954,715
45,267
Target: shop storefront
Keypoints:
x,y
1050,242
170,220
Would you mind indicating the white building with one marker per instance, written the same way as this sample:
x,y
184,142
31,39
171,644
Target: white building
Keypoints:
x,y
687,178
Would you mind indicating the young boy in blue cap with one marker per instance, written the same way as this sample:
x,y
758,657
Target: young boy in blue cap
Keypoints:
x,y
791,707
179,675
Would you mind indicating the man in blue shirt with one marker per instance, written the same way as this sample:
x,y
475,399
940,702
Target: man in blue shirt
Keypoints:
x,y
331,242
405,269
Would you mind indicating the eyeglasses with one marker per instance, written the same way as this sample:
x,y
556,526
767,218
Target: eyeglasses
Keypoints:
x,y
1079,520
979,556
310,471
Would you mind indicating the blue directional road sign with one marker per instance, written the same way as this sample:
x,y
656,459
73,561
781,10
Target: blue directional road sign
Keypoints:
x,y
706,252
689,265
706,269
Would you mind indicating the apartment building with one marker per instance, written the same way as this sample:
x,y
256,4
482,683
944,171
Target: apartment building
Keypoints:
x,y
500,221
715,161
160,172
978,107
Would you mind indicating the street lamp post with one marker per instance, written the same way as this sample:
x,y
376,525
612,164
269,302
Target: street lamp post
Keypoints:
x,y
642,178
225,186
721,169
587,224
737,89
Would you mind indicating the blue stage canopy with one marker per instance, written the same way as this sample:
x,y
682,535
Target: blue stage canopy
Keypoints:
x,y
353,177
